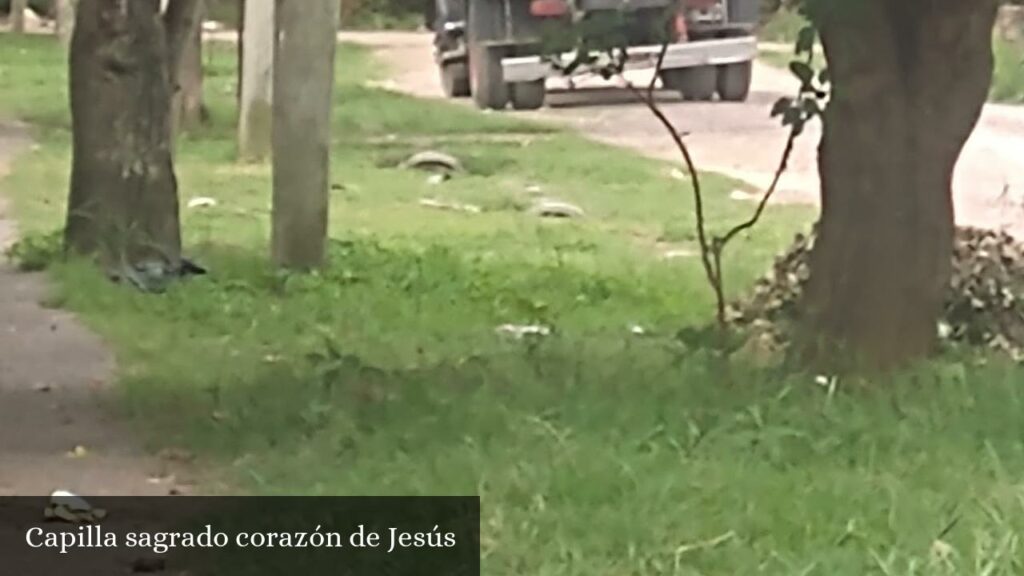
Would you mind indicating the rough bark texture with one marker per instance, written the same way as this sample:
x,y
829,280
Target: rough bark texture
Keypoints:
x,y
255,116
181,20
17,16
909,82
123,204
303,83
189,112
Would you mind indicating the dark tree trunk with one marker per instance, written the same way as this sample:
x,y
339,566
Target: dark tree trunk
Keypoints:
x,y
123,204
909,80
189,111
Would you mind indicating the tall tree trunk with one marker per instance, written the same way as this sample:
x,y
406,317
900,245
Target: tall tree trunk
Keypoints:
x,y
183,28
303,85
17,15
123,204
240,51
255,116
64,23
909,82
188,100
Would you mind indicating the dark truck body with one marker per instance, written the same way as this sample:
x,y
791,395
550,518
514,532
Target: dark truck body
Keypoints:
x,y
500,51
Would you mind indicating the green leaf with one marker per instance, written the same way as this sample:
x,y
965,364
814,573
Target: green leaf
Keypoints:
x,y
811,107
824,76
805,40
792,116
781,105
802,71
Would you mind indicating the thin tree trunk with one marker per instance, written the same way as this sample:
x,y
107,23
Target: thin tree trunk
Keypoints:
x,y
303,84
123,203
909,82
17,15
240,45
188,104
64,24
256,115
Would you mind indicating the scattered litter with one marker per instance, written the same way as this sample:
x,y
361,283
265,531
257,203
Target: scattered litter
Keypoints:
x,y
534,189
202,202
439,178
677,174
154,276
557,209
67,507
522,331
984,304
453,206
678,253
741,196
212,26
433,161
78,452
637,330
41,387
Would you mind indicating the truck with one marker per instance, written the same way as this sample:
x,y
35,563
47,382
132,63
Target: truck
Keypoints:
x,y
501,52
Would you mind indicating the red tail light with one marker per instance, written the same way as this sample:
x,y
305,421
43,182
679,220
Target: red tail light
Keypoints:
x,y
682,34
549,8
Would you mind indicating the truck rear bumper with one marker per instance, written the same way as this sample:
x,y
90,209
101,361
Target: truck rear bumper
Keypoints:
x,y
684,55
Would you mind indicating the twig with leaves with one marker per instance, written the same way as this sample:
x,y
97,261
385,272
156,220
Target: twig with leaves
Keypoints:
x,y
795,113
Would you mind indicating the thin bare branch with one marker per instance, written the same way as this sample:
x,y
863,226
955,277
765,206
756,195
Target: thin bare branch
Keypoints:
x,y
711,248
698,196
783,164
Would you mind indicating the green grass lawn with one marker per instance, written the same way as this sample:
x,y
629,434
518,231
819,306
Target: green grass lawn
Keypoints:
x,y
595,451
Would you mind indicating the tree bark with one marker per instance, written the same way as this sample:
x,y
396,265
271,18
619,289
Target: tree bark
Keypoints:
x,y
255,116
240,51
123,203
189,111
182,21
64,22
909,80
303,85
17,15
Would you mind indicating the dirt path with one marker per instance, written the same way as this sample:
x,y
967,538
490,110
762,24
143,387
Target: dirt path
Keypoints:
x,y
740,139
52,376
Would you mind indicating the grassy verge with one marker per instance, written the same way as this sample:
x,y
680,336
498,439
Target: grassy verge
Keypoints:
x,y
1008,83
595,450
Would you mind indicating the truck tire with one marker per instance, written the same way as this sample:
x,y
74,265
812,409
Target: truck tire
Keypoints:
x,y
734,81
697,84
485,23
528,95
455,79
486,80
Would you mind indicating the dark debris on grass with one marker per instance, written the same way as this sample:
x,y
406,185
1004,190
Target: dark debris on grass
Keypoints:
x,y
984,304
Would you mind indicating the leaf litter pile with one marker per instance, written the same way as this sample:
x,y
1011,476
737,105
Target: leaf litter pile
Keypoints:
x,y
984,304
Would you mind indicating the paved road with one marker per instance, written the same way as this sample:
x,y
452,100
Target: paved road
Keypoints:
x,y
740,139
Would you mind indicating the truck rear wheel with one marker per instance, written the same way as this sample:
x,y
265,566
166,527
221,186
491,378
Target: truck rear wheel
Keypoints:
x,y
487,82
698,83
485,24
455,79
734,81
528,95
